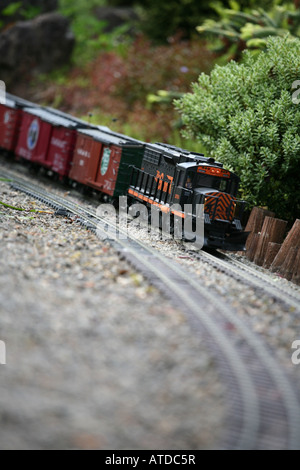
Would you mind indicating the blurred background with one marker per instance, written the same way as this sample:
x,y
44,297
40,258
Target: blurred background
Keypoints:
x,y
122,62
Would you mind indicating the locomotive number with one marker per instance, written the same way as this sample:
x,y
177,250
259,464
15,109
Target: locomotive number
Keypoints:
x,y
163,185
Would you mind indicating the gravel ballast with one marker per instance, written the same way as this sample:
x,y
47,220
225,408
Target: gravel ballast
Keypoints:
x,y
96,358
148,379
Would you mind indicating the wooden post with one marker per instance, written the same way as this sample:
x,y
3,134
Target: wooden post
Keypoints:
x,y
273,231
291,241
272,250
255,222
253,246
287,268
296,273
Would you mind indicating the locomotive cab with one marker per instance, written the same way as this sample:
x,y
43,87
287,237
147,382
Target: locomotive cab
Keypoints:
x,y
191,176
216,189
194,181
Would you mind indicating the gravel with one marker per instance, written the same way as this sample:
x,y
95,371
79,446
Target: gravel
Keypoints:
x,y
277,324
161,388
96,357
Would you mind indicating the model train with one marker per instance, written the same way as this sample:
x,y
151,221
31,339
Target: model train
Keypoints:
x,y
115,165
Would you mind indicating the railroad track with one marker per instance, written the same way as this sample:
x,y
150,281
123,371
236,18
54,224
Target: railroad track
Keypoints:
x,y
251,277
263,406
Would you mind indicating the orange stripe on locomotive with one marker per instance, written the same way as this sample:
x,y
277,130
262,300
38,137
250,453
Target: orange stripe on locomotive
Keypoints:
x,y
220,206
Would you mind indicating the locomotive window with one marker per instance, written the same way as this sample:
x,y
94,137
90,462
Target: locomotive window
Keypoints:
x,y
211,182
203,180
223,185
189,180
181,178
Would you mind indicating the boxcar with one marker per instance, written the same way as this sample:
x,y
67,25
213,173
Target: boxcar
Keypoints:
x,y
10,119
104,160
47,139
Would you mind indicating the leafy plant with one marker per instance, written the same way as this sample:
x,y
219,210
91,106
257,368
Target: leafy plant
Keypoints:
x,y
30,12
11,9
161,20
238,29
245,117
89,31
16,10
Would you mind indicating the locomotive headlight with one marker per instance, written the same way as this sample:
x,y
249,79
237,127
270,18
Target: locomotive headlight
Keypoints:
x,y
234,209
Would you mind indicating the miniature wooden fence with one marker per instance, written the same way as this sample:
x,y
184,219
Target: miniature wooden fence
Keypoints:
x,y
270,246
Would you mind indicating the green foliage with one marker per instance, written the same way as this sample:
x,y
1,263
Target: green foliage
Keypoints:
x,y
250,28
162,20
30,12
122,3
77,7
11,9
245,117
89,31
16,10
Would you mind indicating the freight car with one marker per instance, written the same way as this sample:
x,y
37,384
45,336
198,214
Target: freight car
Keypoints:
x,y
10,120
103,161
115,165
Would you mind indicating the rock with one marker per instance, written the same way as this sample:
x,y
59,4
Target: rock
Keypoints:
x,y
114,17
39,45
35,6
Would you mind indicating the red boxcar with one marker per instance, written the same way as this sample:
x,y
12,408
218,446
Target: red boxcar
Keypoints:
x,y
10,119
103,160
47,139
61,150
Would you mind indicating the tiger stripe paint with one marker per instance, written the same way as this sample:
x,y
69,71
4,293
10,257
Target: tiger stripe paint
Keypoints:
x,y
218,205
